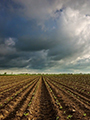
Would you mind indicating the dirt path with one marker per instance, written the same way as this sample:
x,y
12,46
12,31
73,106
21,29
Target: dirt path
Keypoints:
x,y
42,108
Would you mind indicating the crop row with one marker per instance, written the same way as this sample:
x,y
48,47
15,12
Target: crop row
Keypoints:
x,y
10,107
70,101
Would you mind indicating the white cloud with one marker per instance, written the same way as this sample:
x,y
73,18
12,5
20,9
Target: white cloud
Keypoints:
x,y
75,28
10,41
74,40
75,23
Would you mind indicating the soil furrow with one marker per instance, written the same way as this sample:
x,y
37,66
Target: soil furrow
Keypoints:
x,y
19,110
42,107
83,98
12,93
73,88
71,104
12,107
12,86
45,97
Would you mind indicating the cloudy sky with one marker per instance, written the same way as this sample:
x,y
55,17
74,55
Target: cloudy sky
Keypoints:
x,y
44,36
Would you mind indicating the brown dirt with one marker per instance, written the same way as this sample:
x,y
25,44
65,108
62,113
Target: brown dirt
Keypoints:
x,y
44,98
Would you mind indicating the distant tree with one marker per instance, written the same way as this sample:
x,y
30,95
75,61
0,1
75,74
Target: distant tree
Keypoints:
x,y
5,73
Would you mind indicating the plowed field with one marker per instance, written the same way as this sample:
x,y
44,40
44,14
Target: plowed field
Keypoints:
x,y
47,97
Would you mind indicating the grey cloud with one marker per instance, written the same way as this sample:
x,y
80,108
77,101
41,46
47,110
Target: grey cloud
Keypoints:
x,y
37,45
44,9
33,60
30,44
7,46
40,9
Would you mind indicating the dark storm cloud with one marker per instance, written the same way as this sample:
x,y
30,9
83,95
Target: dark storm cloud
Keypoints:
x,y
33,44
44,34
21,60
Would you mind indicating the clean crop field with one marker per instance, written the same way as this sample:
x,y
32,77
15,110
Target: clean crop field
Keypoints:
x,y
45,97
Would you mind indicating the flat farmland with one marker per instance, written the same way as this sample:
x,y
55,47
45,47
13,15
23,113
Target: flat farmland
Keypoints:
x,y
45,97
